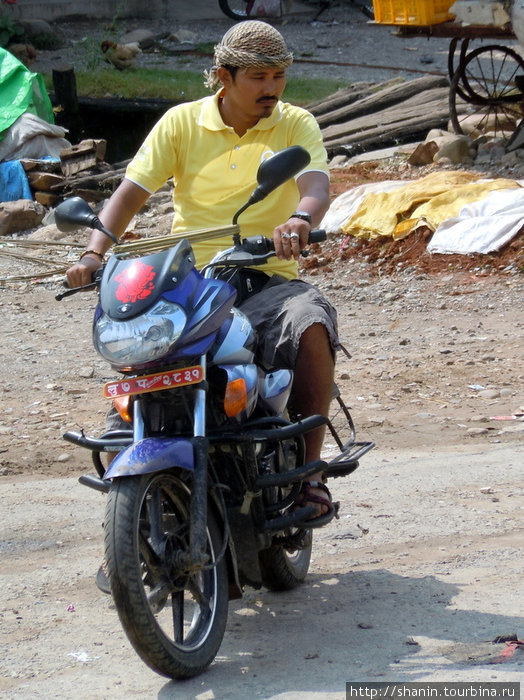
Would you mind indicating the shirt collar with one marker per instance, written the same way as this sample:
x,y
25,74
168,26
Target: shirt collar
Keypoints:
x,y
210,117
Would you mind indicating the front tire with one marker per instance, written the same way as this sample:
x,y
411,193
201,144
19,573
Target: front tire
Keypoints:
x,y
175,620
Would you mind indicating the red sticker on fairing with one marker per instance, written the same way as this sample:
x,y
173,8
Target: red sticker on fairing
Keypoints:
x,y
135,282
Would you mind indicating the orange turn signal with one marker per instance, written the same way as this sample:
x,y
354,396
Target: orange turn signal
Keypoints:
x,y
123,406
235,399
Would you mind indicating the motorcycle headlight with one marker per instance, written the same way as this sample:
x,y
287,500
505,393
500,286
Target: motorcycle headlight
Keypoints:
x,y
140,340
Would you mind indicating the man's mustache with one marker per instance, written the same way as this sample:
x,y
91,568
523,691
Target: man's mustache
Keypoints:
x,y
271,98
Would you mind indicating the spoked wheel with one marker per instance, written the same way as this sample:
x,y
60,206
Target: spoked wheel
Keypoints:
x,y
483,94
285,564
237,9
175,619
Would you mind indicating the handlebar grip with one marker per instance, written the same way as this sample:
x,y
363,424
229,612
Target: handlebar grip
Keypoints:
x,y
317,236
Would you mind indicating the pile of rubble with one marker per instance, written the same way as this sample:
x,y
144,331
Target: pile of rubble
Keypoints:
x,y
411,118
80,171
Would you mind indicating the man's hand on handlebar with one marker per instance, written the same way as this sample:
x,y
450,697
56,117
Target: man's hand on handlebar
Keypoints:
x,y
81,273
290,238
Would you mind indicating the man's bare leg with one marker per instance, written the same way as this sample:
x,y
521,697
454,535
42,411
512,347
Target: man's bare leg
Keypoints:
x,y
312,388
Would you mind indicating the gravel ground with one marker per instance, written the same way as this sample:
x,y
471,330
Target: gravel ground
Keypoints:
x,y
422,569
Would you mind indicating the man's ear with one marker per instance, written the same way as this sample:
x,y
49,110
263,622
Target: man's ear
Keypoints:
x,y
224,76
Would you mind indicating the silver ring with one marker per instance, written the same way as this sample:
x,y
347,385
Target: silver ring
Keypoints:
x,y
294,235
286,235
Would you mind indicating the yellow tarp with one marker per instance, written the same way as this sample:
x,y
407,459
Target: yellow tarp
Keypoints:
x,y
425,202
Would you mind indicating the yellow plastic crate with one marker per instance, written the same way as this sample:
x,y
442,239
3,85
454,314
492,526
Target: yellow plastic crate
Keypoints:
x,y
419,12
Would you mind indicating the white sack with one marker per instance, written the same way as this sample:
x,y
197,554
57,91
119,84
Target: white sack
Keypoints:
x,y
32,137
483,226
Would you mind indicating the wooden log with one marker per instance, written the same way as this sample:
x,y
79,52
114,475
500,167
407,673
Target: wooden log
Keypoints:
x,y
44,166
108,179
82,156
89,195
341,97
418,104
44,181
392,95
48,199
403,131
64,83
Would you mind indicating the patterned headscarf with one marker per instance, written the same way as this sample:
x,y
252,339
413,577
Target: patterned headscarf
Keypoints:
x,y
247,44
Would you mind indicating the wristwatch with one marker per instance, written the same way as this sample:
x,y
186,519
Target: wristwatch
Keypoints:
x,y
304,215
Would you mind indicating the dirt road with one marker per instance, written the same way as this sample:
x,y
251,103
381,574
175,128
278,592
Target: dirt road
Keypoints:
x,y
420,572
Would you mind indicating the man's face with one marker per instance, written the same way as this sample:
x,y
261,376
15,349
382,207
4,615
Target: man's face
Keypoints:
x,y
255,91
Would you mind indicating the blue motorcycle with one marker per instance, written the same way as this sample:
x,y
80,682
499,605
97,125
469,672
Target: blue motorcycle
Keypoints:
x,y
201,493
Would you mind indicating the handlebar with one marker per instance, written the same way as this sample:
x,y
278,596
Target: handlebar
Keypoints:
x,y
250,252
258,245
97,276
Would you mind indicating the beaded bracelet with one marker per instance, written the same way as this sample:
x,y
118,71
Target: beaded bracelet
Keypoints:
x,y
92,252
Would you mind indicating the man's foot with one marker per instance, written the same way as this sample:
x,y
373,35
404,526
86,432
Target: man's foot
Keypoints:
x,y
317,494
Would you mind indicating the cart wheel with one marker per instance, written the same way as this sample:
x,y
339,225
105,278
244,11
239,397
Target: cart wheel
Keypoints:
x,y
483,95
488,74
451,61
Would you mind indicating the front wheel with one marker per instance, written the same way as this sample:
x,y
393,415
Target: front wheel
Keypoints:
x,y
174,618
284,566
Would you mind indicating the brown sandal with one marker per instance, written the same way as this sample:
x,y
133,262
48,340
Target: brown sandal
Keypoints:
x,y
306,496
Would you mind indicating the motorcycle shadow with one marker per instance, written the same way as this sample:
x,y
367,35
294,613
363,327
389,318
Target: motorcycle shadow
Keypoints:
x,y
369,624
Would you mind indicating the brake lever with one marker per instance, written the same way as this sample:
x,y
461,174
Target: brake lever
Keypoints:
x,y
73,290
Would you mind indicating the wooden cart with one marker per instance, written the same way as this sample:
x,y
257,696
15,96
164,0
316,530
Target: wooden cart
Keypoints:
x,y
486,82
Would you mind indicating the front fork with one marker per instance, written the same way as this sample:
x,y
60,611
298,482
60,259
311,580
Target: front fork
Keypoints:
x,y
196,557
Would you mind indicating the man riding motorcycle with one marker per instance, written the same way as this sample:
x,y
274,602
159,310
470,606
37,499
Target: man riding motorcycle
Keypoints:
x,y
212,148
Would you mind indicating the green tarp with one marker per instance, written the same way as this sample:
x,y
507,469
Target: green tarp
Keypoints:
x,y
21,91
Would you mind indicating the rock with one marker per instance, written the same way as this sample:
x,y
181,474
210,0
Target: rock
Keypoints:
x,y
337,161
143,37
457,150
41,33
20,215
47,233
86,372
184,36
423,154
489,394
477,431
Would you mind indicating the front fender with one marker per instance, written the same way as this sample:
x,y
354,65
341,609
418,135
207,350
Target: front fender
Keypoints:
x,y
152,455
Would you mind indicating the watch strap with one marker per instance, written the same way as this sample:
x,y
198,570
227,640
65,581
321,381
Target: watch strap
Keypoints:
x,y
304,215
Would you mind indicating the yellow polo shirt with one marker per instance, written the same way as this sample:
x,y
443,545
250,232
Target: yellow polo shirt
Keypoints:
x,y
214,170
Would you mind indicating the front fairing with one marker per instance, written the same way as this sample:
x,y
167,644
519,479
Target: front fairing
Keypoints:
x,y
158,309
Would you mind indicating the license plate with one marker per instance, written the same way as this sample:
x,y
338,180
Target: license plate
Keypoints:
x,y
154,382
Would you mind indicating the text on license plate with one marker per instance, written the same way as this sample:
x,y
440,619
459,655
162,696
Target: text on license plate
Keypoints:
x,y
154,382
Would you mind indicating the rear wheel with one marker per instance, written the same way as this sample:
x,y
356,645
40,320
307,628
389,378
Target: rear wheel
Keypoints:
x,y
174,618
285,566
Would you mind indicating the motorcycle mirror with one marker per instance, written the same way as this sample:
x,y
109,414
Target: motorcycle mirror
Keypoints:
x,y
75,212
276,170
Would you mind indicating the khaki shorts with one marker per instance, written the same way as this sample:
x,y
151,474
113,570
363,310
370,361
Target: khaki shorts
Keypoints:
x,y
280,313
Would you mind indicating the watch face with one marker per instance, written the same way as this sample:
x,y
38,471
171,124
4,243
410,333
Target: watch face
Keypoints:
x,y
302,215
